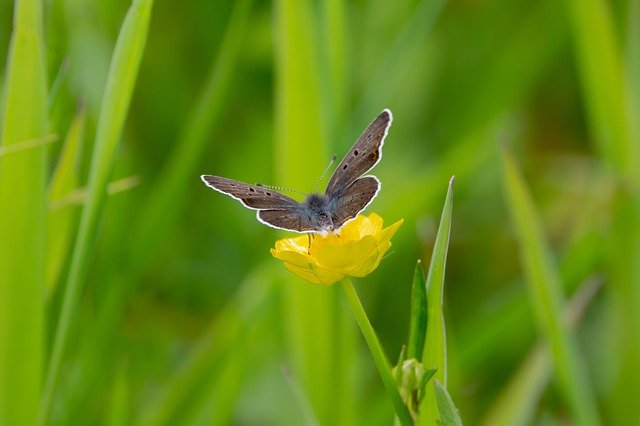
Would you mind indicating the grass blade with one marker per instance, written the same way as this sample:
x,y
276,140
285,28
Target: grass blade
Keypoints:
x,y
313,328
545,292
165,201
610,84
119,407
418,320
218,343
393,65
167,194
22,222
115,105
516,405
61,222
606,89
435,348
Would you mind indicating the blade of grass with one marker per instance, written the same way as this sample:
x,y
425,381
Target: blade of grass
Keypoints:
x,y
335,58
397,61
546,296
27,144
418,320
478,111
312,327
633,59
624,273
519,399
334,77
217,343
61,222
164,203
435,346
604,84
119,408
581,257
115,105
301,399
22,222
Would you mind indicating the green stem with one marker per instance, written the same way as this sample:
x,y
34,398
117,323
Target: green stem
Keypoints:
x,y
379,356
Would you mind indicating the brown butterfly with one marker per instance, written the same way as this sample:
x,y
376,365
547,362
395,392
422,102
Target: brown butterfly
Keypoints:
x,y
346,195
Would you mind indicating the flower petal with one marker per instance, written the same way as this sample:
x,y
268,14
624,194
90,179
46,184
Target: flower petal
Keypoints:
x,y
345,257
314,274
293,257
388,232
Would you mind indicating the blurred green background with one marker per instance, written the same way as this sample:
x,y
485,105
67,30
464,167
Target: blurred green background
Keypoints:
x,y
159,303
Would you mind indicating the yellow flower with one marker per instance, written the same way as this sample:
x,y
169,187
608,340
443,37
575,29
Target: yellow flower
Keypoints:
x,y
355,250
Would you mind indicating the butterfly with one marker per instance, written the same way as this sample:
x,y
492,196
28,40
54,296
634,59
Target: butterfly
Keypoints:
x,y
347,194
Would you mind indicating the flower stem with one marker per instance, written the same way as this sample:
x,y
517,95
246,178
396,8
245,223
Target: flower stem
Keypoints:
x,y
377,351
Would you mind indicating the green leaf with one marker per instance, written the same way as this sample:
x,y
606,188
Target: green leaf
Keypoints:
x,y
449,415
115,106
545,292
418,319
435,349
23,175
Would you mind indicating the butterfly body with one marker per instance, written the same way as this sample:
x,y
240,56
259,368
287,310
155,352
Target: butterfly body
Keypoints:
x,y
318,208
348,191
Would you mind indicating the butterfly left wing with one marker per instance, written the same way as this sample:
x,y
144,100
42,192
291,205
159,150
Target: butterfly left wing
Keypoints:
x,y
354,199
362,156
274,209
252,196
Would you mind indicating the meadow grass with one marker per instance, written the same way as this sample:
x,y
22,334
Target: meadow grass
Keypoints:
x,y
130,294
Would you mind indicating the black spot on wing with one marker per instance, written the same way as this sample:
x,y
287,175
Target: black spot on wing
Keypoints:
x,y
363,155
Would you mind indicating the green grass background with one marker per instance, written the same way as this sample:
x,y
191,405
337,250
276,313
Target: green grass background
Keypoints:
x,y
132,294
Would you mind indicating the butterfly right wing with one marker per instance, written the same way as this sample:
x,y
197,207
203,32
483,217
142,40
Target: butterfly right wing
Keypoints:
x,y
288,220
252,196
363,155
354,199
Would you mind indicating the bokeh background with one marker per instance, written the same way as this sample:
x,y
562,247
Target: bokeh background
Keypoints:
x,y
179,314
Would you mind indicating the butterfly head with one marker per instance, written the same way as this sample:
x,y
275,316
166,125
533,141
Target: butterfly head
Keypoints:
x,y
316,207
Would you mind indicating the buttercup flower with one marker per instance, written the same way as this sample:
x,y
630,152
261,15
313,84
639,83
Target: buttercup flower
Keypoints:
x,y
355,250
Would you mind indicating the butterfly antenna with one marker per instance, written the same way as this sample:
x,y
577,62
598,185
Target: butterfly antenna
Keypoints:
x,y
280,188
333,160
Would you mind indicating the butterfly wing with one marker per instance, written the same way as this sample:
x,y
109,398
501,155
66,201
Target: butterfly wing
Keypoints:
x,y
274,209
252,196
354,199
362,156
289,220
